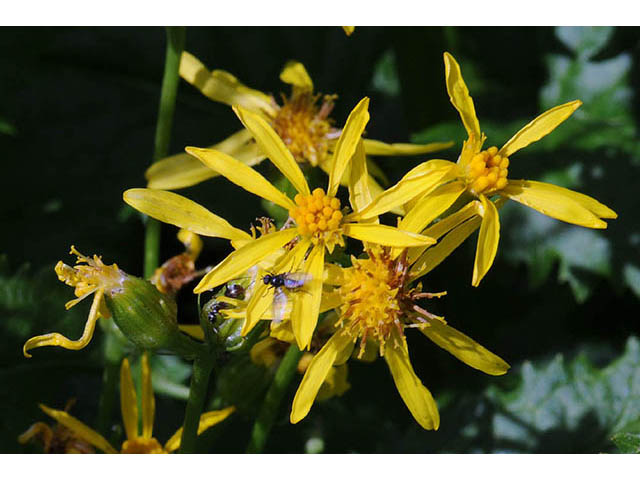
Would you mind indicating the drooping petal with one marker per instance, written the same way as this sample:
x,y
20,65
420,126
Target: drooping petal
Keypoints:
x,y
262,296
242,175
415,395
295,74
316,373
273,147
414,184
207,420
182,170
376,147
244,258
555,202
434,256
58,340
385,235
346,146
359,192
306,304
591,204
459,96
128,401
487,240
79,429
539,127
148,400
169,207
464,348
221,86
431,206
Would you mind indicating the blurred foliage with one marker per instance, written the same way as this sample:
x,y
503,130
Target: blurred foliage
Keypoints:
x,y
77,129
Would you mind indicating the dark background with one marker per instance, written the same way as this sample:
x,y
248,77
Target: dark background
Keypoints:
x,y
77,119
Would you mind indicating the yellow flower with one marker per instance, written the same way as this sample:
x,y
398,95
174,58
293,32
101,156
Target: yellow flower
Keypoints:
x,y
89,276
348,30
302,122
483,174
316,218
377,306
135,442
58,439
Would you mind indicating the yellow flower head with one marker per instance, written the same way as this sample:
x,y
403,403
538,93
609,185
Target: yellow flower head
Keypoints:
x,y
302,122
136,442
89,276
378,304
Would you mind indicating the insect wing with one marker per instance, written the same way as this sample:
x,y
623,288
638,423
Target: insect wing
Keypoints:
x,y
280,301
296,280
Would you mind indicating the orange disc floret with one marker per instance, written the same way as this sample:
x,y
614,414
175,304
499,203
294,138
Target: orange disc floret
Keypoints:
x,y
316,214
487,172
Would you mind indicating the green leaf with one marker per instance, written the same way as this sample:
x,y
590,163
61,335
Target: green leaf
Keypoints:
x,y
627,442
385,75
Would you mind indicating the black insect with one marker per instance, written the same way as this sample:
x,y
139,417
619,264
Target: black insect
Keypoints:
x,y
214,310
235,290
284,283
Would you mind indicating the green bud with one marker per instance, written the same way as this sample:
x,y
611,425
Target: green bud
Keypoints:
x,y
148,318
226,331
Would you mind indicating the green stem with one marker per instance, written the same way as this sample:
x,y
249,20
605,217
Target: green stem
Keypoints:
x,y
170,80
113,354
272,400
202,367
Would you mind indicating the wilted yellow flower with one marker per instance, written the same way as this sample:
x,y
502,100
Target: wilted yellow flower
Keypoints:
x,y
302,122
135,442
483,174
378,304
89,276
181,269
316,218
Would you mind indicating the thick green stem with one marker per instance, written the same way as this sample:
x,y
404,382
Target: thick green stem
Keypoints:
x,y
113,354
170,80
202,367
273,399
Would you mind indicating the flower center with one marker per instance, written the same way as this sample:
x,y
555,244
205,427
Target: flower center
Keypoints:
x,y
304,126
372,307
88,278
317,215
142,445
487,172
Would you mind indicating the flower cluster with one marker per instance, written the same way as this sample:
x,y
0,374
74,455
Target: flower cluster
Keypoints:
x,y
331,279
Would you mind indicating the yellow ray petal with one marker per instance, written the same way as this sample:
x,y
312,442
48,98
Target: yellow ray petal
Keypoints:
x,y
539,127
273,147
385,235
436,254
316,373
555,202
194,331
431,206
58,340
306,304
295,74
487,240
348,30
221,86
207,420
418,181
464,348
244,258
128,401
459,96
79,429
376,147
177,210
148,400
415,395
242,175
359,192
333,274
182,170
591,204
262,296
346,146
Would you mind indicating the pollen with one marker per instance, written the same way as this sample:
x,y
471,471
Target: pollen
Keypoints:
x,y
487,172
317,215
304,126
372,304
